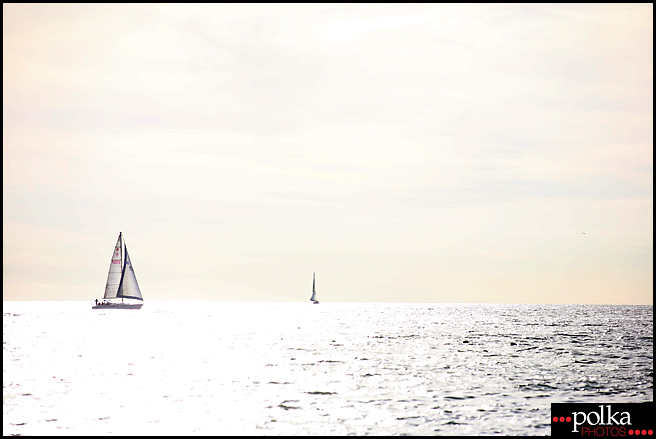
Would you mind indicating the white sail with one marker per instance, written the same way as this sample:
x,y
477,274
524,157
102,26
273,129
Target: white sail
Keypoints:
x,y
114,275
314,292
129,288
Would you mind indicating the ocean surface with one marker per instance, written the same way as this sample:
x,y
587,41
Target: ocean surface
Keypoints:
x,y
301,369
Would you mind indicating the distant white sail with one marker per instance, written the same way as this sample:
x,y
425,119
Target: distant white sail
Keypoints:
x,y
114,276
128,288
313,299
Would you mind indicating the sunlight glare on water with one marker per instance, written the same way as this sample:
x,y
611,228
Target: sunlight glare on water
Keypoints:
x,y
298,368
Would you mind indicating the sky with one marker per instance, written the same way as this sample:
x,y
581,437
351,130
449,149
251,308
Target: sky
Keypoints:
x,y
404,153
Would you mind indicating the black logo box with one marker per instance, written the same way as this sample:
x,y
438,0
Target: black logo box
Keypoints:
x,y
602,419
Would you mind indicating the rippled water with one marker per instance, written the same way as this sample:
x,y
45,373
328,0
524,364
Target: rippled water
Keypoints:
x,y
333,368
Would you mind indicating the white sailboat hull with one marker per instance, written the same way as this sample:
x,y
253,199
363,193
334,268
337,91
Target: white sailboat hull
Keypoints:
x,y
119,306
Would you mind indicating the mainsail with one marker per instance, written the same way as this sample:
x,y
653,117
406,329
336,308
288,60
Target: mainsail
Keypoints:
x,y
128,288
114,276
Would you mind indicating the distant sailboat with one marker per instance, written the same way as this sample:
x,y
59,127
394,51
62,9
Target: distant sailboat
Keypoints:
x,y
313,299
121,281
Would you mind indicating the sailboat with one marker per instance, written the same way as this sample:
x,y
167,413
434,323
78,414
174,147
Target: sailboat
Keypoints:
x,y
121,281
313,299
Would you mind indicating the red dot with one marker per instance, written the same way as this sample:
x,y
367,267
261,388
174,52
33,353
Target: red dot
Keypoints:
x,y
568,419
555,419
650,432
630,432
562,419
637,432
644,431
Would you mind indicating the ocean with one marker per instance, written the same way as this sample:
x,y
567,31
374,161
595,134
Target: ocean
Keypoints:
x,y
278,368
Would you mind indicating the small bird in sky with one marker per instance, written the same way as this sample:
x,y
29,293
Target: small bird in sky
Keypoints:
x,y
582,233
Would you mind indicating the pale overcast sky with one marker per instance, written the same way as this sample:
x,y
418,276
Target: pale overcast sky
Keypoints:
x,y
406,153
